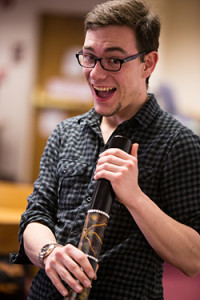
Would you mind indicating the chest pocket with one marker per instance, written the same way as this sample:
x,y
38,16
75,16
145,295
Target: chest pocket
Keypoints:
x,y
74,178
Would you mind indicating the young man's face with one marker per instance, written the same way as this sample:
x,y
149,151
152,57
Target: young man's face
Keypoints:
x,y
120,93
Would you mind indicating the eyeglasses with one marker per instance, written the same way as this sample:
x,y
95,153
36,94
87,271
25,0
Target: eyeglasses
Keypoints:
x,y
108,63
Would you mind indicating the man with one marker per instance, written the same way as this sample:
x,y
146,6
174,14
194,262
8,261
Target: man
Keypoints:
x,y
156,215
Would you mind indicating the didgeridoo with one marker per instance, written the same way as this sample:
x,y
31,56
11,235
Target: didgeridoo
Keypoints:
x,y
97,217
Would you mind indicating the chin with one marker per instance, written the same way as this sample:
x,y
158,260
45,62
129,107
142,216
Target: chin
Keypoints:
x,y
109,112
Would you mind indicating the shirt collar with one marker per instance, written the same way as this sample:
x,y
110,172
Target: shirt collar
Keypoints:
x,y
91,120
148,112
144,116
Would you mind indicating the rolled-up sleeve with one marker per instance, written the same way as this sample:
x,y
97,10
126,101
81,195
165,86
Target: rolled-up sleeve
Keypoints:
x,y
42,203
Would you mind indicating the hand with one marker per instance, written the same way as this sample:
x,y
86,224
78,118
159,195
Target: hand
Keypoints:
x,y
121,169
63,262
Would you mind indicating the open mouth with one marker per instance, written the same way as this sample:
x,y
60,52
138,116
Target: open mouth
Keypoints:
x,y
104,92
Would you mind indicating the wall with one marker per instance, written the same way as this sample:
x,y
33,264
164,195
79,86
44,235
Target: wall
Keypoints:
x,y
181,50
19,25
19,29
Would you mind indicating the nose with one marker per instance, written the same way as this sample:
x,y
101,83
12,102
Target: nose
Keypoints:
x,y
98,72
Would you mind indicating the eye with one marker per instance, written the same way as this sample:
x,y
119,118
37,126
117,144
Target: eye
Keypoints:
x,y
113,61
88,58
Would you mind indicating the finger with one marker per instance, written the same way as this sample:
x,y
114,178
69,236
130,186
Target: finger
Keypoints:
x,y
53,276
134,150
60,264
66,276
78,274
55,269
80,259
112,159
116,152
111,166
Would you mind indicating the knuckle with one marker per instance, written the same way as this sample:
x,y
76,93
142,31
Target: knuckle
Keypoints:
x,y
48,269
57,254
63,274
76,270
106,165
68,248
71,266
118,177
117,151
81,257
130,164
52,260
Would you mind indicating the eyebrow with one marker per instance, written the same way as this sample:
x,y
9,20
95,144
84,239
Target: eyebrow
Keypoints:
x,y
109,49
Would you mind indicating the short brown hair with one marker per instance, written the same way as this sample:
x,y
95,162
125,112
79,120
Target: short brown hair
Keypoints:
x,y
132,13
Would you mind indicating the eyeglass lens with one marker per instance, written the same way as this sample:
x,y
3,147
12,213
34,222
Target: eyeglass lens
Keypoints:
x,y
89,61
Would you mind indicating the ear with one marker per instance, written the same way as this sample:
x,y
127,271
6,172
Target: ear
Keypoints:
x,y
149,64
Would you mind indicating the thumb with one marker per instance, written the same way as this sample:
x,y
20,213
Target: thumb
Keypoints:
x,y
134,150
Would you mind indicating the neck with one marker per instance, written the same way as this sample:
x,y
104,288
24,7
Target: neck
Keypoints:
x,y
110,123
107,128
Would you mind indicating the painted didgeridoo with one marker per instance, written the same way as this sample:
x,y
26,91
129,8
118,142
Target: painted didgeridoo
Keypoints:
x,y
97,217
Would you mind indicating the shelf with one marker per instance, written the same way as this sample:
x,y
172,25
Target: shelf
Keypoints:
x,y
42,99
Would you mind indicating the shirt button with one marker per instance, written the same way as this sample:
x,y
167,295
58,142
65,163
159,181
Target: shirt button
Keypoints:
x,y
74,233
89,199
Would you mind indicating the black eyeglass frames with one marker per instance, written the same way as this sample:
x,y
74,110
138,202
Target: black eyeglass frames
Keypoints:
x,y
108,63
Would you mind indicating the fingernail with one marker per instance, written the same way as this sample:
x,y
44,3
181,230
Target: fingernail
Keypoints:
x,y
87,283
91,275
64,293
78,289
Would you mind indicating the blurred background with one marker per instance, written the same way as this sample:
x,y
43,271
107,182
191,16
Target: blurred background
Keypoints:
x,y
41,84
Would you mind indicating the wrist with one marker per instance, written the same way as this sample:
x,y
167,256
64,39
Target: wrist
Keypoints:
x,y
139,201
45,251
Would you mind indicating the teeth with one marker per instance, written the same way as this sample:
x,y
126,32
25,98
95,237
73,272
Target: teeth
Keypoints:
x,y
103,89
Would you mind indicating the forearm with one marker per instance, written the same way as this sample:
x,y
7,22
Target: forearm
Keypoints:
x,y
35,236
174,242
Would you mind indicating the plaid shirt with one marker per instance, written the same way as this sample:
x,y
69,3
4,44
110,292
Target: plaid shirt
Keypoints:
x,y
169,173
